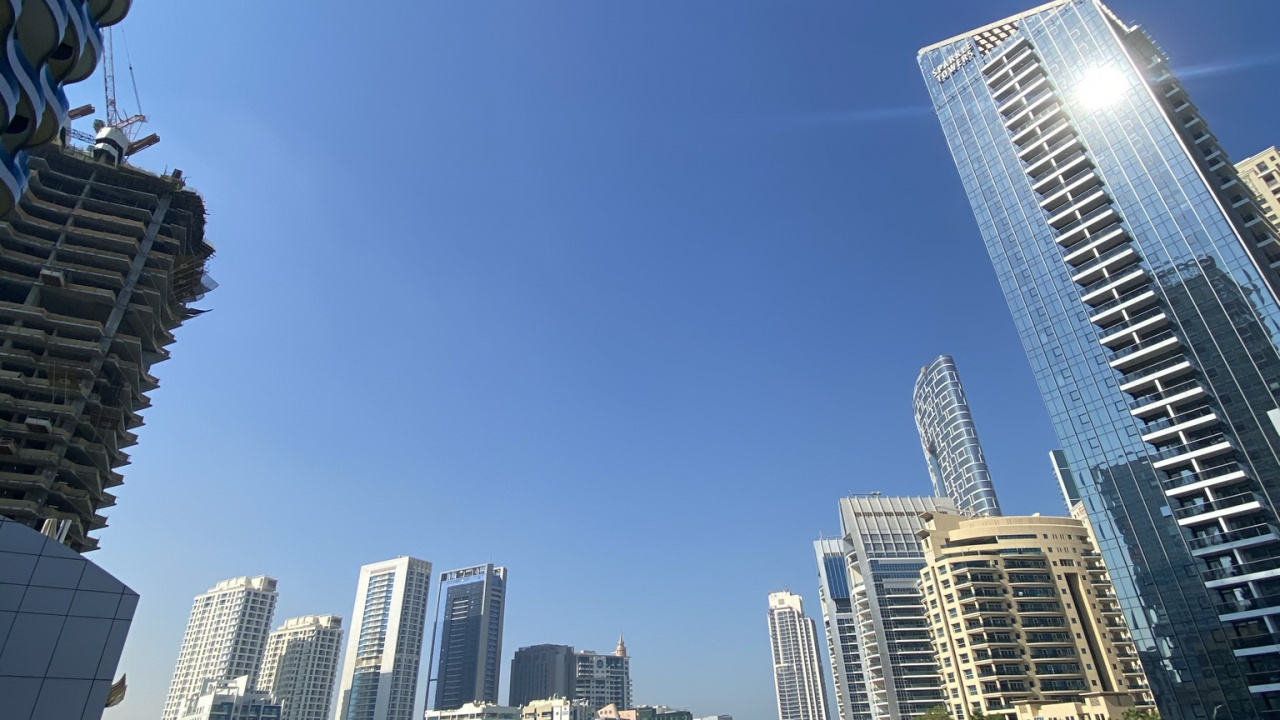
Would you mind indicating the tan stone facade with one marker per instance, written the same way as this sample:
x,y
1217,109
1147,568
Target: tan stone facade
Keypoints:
x,y
1022,610
1262,174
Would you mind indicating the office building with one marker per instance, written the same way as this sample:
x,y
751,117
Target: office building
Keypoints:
x,y
300,664
884,561
225,637
1138,270
230,700
841,626
540,672
472,601
950,440
1261,174
62,628
558,708
380,665
1022,610
474,711
100,265
797,672
603,680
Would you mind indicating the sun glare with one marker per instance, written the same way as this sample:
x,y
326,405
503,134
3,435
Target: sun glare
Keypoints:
x,y
1101,87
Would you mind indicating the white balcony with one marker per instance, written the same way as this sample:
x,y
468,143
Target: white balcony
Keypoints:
x,y
1193,451
1164,433
1084,181
1107,313
1060,173
1100,292
1117,334
1099,244
1079,207
1105,264
1167,399
1144,352
1208,479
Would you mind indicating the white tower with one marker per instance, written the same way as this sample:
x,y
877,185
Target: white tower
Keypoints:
x,y
300,665
384,649
797,674
224,639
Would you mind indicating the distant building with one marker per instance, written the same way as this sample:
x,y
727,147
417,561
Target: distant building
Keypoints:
x,y
841,624
1022,610
642,712
540,672
475,711
1261,173
473,601
950,439
225,637
300,665
1089,706
557,709
230,700
603,679
715,717
797,673
384,650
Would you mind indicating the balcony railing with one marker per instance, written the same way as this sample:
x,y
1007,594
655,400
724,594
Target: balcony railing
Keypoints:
x,y
1138,319
1168,422
1248,568
1221,504
1237,605
1222,538
1183,479
1253,641
1145,344
1175,450
1169,392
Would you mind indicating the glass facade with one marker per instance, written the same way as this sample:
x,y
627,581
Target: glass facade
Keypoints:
x,y
470,636
950,439
841,625
1140,279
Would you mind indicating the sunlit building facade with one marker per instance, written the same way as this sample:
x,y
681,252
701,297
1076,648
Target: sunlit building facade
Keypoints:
x,y
797,672
949,439
1139,272
841,626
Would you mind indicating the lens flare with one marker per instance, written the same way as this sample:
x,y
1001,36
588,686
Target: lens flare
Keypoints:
x,y
1101,87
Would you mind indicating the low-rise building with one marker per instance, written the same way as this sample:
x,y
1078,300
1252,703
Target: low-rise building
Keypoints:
x,y
1022,611
230,700
475,711
557,709
1091,706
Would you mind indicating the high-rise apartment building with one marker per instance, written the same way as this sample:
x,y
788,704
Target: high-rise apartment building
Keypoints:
x,y
1138,269
841,625
950,439
472,602
1022,610
384,649
603,679
797,672
100,264
540,672
225,638
300,664
884,561
1261,174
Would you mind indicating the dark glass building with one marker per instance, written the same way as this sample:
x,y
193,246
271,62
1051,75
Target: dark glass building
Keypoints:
x,y
541,672
1140,277
470,624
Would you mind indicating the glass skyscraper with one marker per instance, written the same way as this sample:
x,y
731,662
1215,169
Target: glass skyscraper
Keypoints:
x,y
470,624
1139,274
841,625
950,439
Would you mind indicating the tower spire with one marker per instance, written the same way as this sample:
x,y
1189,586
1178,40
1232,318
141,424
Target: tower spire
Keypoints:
x,y
621,650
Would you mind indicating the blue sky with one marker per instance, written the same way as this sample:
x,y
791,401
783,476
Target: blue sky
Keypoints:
x,y
623,296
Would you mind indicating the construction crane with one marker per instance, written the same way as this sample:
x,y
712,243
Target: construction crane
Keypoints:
x,y
128,124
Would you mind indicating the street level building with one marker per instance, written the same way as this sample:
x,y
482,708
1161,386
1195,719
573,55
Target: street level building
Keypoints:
x,y
557,708
950,439
472,602
539,672
1022,610
884,561
603,679
797,672
224,640
230,700
380,669
475,711
1090,706
1140,274
1261,173
841,626
300,664
99,264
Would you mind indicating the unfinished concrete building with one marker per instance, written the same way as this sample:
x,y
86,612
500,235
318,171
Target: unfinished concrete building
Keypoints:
x,y
99,263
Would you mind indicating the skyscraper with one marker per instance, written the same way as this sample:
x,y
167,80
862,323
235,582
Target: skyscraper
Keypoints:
x,y
1261,173
841,625
300,664
884,561
1139,273
797,673
540,672
950,439
603,679
384,650
224,640
472,604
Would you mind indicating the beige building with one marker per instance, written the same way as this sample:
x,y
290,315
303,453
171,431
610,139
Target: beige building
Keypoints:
x,y
1261,173
1091,706
559,709
475,711
1022,610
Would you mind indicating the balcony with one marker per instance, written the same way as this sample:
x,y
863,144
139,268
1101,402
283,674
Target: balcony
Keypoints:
x,y
1188,482
1049,141
1100,242
1132,301
1147,405
1109,263
1053,177
1244,502
1166,427
1017,78
1234,574
1025,92
1079,208
1144,322
1135,381
1265,642
1148,349
1183,454
1083,180
1064,146
1100,291
1260,534
1231,609
1094,222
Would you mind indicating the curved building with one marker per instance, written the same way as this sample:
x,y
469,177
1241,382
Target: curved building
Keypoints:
x,y
950,440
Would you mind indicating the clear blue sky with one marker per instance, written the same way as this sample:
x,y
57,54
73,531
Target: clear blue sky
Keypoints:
x,y
623,296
